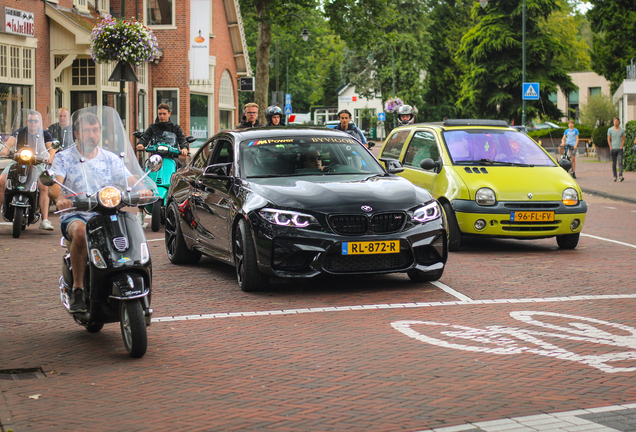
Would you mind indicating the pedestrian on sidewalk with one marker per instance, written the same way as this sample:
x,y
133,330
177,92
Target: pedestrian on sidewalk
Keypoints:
x,y
616,139
570,139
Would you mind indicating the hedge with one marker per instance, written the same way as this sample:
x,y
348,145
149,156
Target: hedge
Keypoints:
x,y
584,132
629,157
599,136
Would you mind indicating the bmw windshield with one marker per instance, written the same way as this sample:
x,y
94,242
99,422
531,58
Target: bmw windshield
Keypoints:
x,y
494,147
306,156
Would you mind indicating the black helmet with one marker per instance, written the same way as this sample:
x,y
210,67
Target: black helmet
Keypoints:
x,y
405,110
272,111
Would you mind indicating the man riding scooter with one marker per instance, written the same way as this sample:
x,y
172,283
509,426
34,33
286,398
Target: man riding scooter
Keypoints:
x,y
163,124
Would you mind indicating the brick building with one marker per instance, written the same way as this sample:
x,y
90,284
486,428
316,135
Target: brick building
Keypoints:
x,y
45,61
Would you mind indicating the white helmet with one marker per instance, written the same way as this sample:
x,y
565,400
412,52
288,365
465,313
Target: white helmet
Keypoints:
x,y
405,110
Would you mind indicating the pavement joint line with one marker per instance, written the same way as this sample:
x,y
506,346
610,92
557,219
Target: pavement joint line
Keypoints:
x,y
609,240
389,306
159,239
451,291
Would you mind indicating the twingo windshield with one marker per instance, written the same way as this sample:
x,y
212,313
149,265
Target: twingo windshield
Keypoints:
x,y
496,147
101,156
305,155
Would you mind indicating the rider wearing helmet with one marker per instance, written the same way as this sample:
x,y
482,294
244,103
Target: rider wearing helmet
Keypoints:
x,y
405,115
274,116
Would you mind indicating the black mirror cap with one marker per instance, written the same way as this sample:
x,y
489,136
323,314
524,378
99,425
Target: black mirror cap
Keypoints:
x,y
429,164
393,166
47,178
371,144
190,139
565,164
221,170
138,134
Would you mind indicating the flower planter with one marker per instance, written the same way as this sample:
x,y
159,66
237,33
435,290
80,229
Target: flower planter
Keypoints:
x,y
603,154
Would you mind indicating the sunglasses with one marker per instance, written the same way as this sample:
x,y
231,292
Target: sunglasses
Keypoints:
x,y
33,121
314,158
252,112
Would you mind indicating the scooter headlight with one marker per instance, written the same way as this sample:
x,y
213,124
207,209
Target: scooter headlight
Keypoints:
x,y
25,154
109,196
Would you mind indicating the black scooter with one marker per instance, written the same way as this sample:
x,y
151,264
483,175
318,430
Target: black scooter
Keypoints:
x,y
21,194
118,275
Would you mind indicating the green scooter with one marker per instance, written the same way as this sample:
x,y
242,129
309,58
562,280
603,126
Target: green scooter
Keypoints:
x,y
164,145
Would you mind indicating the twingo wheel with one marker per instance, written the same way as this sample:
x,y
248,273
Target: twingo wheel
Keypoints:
x,y
249,276
420,276
568,241
155,223
133,327
18,215
177,251
454,234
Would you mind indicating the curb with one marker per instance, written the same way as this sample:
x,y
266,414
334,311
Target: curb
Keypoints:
x,y
610,196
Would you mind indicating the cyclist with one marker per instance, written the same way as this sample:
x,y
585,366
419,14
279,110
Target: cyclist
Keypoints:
x,y
570,139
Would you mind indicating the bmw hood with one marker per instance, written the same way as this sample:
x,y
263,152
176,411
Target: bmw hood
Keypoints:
x,y
341,194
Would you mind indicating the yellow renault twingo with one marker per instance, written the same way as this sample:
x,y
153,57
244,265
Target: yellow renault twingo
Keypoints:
x,y
491,180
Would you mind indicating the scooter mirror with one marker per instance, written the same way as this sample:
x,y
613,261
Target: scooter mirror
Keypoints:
x,y
55,144
47,178
155,162
138,134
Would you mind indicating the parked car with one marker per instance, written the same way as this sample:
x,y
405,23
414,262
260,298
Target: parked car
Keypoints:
x,y
301,203
491,180
546,125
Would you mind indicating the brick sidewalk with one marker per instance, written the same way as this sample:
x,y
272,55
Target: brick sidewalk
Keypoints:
x,y
596,178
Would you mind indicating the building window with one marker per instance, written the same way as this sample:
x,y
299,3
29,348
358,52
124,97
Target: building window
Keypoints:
x,y
573,105
595,91
160,12
81,5
3,61
170,97
27,63
15,62
225,120
226,91
142,73
199,119
142,105
83,72
13,98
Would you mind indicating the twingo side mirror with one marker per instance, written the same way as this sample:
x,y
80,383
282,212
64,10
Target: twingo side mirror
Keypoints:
x,y
155,162
370,144
190,139
393,166
55,144
47,178
565,164
429,164
138,134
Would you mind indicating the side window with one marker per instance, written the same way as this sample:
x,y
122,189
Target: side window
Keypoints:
x,y
394,144
223,152
201,160
422,146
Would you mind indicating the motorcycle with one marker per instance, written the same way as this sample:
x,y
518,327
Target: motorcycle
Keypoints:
x,y
164,145
118,272
21,204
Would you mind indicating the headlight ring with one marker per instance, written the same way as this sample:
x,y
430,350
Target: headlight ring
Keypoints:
x,y
287,218
427,213
109,196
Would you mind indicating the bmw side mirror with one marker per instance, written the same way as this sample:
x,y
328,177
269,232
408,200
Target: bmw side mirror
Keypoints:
x,y
429,164
155,162
47,178
221,170
393,166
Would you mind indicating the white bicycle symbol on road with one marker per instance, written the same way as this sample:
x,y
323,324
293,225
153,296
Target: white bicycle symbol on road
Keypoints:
x,y
510,340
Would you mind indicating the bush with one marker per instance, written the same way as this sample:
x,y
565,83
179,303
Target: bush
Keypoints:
x,y
599,136
629,157
584,132
599,108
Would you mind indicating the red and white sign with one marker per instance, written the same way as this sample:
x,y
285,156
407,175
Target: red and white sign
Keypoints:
x,y
18,22
354,98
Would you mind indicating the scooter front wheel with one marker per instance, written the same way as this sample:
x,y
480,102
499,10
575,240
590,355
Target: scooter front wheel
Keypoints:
x,y
133,327
155,223
18,214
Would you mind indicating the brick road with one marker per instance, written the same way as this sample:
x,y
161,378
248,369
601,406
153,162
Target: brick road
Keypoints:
x,y
338,368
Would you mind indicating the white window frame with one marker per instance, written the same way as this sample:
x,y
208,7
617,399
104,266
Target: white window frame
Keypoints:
x,y
20,70
161,26
222,105
81,5
156,100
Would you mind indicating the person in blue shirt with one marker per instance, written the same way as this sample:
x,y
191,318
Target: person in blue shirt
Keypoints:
x,y
570,139
345,125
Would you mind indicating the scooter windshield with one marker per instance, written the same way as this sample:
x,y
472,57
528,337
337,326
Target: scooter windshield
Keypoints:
x,y
166,138
102,156
27,133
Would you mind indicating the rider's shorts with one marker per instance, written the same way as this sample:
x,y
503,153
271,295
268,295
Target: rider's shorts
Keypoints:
x,y
40,168
72,217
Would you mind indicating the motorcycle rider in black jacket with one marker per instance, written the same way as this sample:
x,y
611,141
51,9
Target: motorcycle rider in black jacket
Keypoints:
x,y
162,124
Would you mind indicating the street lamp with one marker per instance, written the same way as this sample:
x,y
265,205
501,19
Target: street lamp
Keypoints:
x,y
483,4
305,35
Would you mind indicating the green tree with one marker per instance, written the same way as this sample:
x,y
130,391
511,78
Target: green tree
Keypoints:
x,y
614,26
490,53
569,26
598,111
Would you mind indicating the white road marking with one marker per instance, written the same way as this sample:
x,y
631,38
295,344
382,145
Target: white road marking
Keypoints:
x,y
612,208
391,306
502,340
609,240
159,239
6,223
452,292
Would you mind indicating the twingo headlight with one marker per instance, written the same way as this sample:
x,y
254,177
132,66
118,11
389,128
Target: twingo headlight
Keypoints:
x,y
25,154
109,196
570,197
429,212
287,218
485,197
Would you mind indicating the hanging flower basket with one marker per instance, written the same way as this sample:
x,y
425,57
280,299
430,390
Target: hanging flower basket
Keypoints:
x,y
122,40
392,105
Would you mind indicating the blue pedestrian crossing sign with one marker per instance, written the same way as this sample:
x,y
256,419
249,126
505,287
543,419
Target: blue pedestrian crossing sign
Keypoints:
x,y
288,109
381,116
530,91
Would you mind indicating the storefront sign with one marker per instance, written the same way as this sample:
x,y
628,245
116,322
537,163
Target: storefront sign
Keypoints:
x,y
18,22
199,39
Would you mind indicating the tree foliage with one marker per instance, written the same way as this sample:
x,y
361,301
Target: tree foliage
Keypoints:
x,y
598,111
490,53
614,25
568,25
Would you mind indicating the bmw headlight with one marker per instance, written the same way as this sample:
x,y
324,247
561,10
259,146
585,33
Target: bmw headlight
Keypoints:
x,y
287,218
26,154
570,197
109,196
429,212
485,197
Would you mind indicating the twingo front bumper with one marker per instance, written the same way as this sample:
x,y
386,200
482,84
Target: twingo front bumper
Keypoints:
x,y
288,252
567,219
